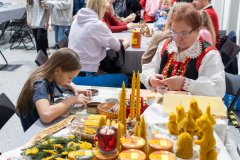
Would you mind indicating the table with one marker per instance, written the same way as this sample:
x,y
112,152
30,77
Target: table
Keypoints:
x,y
107,92
133,55
12,11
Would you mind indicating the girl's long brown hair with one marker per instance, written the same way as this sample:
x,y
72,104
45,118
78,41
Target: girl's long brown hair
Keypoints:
x,y
64,58
207,22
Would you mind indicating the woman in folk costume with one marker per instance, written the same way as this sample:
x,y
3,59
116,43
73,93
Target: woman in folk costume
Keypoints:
x,y
186,61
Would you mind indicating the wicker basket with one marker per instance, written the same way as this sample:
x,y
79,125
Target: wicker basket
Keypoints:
x,y
104,109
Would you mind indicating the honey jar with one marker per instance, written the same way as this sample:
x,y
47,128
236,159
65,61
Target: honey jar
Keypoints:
x,y
136,39
133,142
157,144
162,155
132,154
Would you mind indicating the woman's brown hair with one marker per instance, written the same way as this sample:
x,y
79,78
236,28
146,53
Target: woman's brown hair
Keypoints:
x,y
207,22
188,13
64,58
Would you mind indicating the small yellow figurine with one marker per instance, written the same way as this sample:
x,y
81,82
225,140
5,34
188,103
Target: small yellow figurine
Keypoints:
x,y
207,141
172,124
180,113
184,146
188,124
194,110
210,117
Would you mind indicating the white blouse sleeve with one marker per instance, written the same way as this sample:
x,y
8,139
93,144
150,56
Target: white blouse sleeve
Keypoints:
x,y
211,77
151,68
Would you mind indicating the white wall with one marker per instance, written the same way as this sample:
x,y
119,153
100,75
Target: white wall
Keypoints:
x,y
228,15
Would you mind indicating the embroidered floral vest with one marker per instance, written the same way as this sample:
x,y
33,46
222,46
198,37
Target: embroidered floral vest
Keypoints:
x,y
189,68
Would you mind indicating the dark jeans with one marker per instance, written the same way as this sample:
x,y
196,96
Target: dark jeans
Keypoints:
x,y
41,38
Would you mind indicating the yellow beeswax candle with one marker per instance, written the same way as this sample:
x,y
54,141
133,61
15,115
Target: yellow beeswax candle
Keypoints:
x,y
122,107
143,132
132,105
138,97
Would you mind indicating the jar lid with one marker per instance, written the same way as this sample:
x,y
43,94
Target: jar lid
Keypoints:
x,y
162,155
132,154
133,142
160,143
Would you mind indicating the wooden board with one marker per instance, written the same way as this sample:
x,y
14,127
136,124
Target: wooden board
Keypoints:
x,y
218,108
50,130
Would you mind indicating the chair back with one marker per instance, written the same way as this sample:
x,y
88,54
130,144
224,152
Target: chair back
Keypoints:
x,y
229,52
232,87
7,109
41,58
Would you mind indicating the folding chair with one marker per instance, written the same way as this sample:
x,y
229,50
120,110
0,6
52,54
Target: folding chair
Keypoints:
x,y
229,52
7,109
5,65
22,34
3,27
41,58
233,88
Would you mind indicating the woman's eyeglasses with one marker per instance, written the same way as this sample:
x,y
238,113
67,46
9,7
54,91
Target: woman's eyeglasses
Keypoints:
x,y
182,34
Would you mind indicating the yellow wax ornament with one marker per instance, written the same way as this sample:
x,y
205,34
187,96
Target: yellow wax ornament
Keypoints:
x,y
210,117
172,124
143,132
194,110
188,124
184,146
138,97
132,105
180,113
207,141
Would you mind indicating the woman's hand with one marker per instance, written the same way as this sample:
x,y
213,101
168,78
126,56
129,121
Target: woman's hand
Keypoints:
x,y
130,18
125,42
174,83
156,80
130,26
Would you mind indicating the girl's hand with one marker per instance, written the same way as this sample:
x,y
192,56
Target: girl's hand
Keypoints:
x,y
156,80
81,99
174,83
78,91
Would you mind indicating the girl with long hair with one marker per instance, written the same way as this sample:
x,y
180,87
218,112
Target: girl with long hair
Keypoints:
x,y
36,99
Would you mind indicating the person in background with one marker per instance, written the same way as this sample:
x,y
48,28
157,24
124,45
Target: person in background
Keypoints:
x,y
77,5
36,100
128,19
113,23
207,30
37,20
206,6
185,61
89,37
147,6
161,15
61,17
158,37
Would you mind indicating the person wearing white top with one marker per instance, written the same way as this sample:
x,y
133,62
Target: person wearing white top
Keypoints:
x,y
186,61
